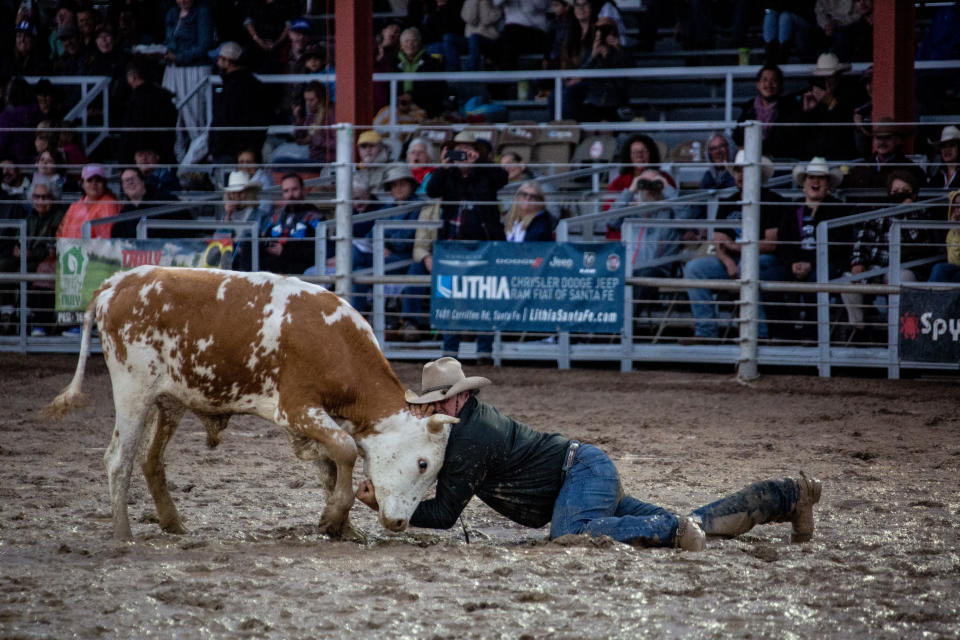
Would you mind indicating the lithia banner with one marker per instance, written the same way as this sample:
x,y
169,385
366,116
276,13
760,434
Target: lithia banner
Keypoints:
x,y
930,325
527,286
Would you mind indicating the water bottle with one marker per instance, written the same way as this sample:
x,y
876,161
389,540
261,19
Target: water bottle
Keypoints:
x,y
695,149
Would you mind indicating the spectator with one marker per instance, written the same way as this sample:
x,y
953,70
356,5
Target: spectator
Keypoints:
x,y
725,264
43,218
297,47
421,158
250,162
71,61
49,169
73,154
518,171
936,88
945,175
823,103
129,34
20,113
372,155
580,39
408,112
603,98
268,26
49,100
949,271
797,238
717,175
97,202
528,219
413,58
469,212
149,106
44,139
559,29
638,153
189,36
785,25
157,177
609,9
138,196
398,243
27,60
524,29
108,61
239,205
441,28
871,247
770,108
65,16
239,106
480,32
833,16
87,22
289,232
14,184
887,156
316,115
650,251
855,41
385,61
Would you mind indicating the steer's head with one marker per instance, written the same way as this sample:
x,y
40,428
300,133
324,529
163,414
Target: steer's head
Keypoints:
x,y
402,460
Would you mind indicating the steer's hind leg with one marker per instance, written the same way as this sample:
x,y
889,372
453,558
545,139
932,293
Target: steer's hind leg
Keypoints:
x,y
119,458
341,453
166,419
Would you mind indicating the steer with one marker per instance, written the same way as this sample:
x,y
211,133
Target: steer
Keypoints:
x,y
223,343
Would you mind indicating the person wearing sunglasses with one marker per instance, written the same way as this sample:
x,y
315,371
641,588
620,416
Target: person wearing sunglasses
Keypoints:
x,y
528,219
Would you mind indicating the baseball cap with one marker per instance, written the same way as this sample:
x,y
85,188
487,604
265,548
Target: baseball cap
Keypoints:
x,y
230,50
93,170
300,25
369,137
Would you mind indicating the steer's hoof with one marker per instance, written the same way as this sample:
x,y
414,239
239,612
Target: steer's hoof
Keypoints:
x,y
350,533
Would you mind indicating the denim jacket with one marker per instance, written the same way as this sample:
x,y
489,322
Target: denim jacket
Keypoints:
x,y
190,38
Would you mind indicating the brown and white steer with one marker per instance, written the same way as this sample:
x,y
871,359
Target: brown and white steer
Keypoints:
x,y
222,343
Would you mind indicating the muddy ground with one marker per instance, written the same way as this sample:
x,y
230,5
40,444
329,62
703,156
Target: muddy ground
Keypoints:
x,y
884,561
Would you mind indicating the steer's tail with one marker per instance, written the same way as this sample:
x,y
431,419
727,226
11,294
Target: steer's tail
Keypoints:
x,y
72,397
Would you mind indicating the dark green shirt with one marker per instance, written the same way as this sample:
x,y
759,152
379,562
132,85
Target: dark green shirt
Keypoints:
x,y
512,468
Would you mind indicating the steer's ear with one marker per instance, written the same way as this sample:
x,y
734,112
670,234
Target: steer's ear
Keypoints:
x,y
436,421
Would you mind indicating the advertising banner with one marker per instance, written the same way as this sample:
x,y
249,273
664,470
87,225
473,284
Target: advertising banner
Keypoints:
x,y
527,286
930,325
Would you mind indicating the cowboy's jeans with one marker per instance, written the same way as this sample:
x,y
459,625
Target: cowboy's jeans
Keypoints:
x,y
590,502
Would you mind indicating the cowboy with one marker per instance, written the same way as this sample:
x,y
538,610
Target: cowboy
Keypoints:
x,y
533,478
887,156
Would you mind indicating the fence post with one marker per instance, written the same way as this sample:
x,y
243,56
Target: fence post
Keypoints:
x,y
750,252
344,210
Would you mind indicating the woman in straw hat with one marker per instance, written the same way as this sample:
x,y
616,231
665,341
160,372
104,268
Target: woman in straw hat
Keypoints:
x,y
534,478
945,174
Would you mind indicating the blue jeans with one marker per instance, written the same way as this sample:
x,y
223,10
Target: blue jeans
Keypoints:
x,y
701,300
945,272
451,344
590,502
785,27
476,46
362,293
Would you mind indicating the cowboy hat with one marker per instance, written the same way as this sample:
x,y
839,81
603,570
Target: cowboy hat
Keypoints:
x,y
829,64
885,127
766,165
817,167
399,171
950,133
443,379
238,181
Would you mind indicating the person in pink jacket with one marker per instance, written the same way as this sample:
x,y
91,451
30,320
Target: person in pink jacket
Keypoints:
x,y
97,202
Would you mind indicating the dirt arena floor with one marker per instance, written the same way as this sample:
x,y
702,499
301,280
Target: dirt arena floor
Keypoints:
x,y
884,561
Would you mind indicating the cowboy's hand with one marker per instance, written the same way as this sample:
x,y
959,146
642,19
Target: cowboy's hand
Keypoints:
x,y
421,410
367,495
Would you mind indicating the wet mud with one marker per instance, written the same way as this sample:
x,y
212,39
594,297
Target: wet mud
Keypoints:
x,y
883,562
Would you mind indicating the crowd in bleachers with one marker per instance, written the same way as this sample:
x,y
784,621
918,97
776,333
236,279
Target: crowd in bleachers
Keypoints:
x,y
155,53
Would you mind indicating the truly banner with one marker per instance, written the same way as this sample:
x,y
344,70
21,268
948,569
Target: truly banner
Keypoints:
x,y
527,286
82,265
930,325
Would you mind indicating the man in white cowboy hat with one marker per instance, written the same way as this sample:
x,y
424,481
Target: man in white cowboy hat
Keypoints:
x,y
797,239
725,263
533,478
945,174
825,103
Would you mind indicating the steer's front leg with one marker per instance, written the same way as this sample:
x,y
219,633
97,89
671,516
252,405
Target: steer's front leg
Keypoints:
x,y
342,451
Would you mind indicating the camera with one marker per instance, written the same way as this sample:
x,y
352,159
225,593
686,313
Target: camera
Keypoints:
x,y
654,186
456,155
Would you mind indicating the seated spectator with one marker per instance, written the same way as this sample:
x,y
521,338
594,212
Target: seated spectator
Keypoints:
x,y
787,26
855,40
604,98
480,34
149,106
14,186
138,196
797,238
408,112
299,43
372,157
71,61
97,202
649,252
726,261
887,156
49,170
189,36
638,153
772,108
242,104
949,271
528,219
717,175
385,61
518,171
21,112
157,177
560,25
944,175
242,198
107,60
64,16
823,103
250,162
27,58
398,243
239,205
420,158
414,58
833,16
49,100
871,247
290,231
88,19
314,113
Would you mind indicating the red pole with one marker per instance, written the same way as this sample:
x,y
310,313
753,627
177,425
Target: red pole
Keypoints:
x,y
893,59
353,60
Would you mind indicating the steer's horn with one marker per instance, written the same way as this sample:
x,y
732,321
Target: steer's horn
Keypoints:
x,y
436,421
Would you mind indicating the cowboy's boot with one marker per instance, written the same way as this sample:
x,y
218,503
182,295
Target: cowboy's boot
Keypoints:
x,y
808,494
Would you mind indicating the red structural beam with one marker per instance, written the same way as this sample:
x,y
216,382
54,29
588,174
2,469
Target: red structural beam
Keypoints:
x,y
893,60
353,60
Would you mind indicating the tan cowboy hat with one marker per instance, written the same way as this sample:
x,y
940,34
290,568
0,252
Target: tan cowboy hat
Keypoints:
x,y
398,171
886,126
817,167
950,133
443,379
766,165
829,64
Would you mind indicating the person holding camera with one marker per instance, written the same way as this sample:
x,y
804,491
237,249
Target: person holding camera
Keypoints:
x,y
603,98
